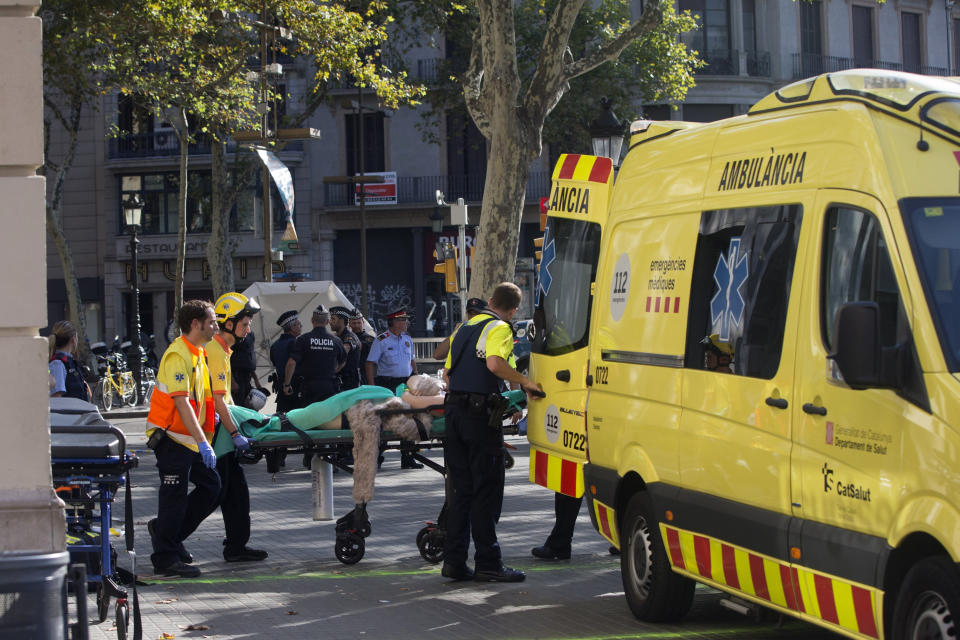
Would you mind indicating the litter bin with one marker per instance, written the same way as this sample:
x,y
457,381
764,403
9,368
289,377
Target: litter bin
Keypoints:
x,y
33,595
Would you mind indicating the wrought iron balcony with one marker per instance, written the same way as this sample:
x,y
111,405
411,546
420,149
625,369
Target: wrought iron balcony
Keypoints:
x,y
813,64
164,143
422,189
726,62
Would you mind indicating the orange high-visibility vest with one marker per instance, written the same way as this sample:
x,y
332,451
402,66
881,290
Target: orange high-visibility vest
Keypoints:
x,y
183,372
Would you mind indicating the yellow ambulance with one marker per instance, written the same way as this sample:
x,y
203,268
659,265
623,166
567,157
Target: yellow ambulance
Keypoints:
x,y
750,345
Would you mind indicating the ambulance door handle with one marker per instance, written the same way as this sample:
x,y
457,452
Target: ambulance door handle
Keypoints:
x,y
814,409
779,403
563,375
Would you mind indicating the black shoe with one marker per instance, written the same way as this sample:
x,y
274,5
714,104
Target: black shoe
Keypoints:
x,y
456,573
245,554
503,574
178,569
182,553
549,553
614,551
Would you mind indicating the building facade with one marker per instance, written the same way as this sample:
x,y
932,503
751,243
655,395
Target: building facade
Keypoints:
x,y
751,48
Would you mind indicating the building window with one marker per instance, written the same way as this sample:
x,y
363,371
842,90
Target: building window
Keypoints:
x,y
956,44
712,39
811,37
160,191
863,36
749,25
466,156
374,151
912,48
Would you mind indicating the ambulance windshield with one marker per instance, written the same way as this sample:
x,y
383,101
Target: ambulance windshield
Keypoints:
x,y
933,225
567,268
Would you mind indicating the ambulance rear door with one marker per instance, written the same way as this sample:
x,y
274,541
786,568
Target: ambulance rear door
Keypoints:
x,y
556,425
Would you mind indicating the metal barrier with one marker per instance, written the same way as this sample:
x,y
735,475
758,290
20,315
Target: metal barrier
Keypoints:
x,y
423,349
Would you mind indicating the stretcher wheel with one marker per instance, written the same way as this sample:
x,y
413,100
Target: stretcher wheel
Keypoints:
x,y
431,545
422,534
103,602
123,620
349,548
508,460
365,529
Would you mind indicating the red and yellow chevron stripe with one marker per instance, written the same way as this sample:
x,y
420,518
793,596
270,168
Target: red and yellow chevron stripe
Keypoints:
x,y
606,522
573,166
556,473
826,600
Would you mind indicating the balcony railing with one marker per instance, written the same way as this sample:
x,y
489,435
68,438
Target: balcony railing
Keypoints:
x,y
423,189
813,64
726,62
164,143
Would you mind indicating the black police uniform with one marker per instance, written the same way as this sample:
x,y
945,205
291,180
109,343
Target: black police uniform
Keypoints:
x,y
73,384
474,455
350,374
366,341
318,354
243,362
280,352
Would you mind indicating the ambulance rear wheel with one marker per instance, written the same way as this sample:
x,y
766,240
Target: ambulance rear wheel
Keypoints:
x,y
654,592
349,548
928,603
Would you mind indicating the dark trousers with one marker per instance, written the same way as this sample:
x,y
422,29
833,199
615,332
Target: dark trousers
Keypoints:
x,y
390,382
566,510
473,455
234,502
180,513
317,390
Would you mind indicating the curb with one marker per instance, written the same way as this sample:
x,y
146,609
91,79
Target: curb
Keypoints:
x,y
134,412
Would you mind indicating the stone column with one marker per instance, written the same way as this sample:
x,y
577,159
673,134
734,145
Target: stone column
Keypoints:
x,y
323,253
31,516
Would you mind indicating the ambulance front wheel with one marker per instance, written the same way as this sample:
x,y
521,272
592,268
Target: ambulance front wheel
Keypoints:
x,y
928,603
654,592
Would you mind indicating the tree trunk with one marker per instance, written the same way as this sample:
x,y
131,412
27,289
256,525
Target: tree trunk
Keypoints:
x,y
219,254
55,228
183,134
504,191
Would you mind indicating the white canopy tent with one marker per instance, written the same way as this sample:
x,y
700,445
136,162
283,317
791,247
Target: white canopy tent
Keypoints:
x,y
275,298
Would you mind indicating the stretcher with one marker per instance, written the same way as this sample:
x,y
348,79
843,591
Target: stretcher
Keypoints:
x,y
90,463
313,430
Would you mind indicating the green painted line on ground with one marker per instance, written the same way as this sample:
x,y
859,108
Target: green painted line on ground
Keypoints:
x,y
688,633
336,575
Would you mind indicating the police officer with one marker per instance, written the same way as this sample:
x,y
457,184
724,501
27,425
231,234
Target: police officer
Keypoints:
x,y
473,449
366,340
391,358
389,364
321,355
243,367
280,351
350,374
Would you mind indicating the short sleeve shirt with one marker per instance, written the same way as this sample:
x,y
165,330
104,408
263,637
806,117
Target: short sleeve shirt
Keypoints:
x,y
218,359
59,373
392,354
499,339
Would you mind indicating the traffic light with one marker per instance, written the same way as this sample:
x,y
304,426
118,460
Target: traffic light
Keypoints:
x,y
446,255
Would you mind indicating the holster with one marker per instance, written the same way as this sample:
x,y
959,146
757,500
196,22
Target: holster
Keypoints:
x,y
496,405
156,438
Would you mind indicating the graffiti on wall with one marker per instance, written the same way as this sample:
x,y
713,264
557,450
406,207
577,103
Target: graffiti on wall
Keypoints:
x,y
380,301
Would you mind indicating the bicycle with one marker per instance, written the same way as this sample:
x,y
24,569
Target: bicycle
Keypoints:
x,y
112,382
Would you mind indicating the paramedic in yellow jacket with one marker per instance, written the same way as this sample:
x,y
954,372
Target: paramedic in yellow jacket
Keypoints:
x,y
233,311
179,430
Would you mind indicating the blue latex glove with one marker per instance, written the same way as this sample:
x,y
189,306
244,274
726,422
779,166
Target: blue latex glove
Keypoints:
x,y
209,457
240,441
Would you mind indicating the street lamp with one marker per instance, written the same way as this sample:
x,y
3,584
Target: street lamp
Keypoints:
x,y
132,210
436,220
607,133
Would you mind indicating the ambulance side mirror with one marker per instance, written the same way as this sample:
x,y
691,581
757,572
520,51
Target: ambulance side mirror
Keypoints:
x,y
856,344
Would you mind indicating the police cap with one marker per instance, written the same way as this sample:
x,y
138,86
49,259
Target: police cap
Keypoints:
x,y
321,311
476,304
341,312
287,317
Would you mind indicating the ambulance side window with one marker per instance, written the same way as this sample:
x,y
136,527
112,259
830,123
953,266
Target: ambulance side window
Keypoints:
x,y
740,289
857,268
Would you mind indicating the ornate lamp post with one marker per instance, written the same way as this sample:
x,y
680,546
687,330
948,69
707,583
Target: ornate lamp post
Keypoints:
x,y
132,210
607,133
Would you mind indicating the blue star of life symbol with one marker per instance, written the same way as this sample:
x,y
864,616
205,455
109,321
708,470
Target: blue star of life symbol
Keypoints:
x,y
727,304
544,279
222,376
180,377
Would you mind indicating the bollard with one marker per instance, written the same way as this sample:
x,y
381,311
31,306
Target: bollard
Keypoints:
x,y
322,476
